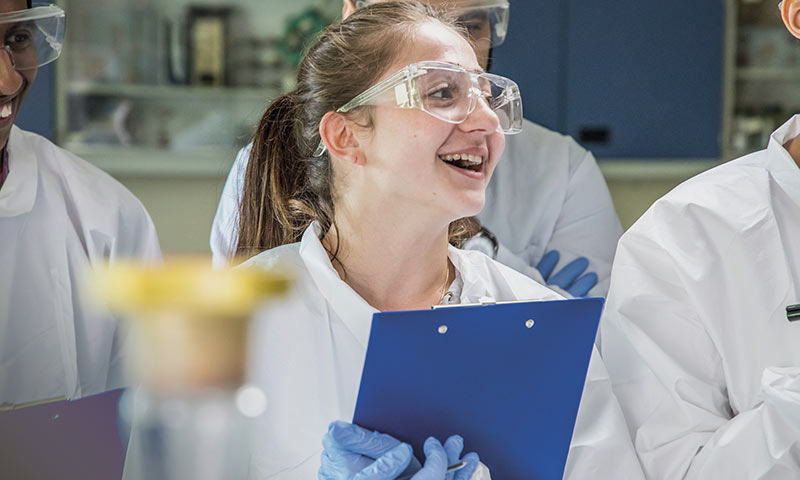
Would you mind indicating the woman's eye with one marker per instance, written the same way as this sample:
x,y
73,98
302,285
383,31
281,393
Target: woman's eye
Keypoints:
x,y
18,39
442,93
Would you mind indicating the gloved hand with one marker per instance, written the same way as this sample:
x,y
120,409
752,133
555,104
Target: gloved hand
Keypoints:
x,y
352,452
568,278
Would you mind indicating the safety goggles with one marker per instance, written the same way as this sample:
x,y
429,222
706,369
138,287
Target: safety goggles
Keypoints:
x,y
445,91
485,21
33,37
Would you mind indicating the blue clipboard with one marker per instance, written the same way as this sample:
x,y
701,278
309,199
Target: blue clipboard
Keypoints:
x,y
77,439
507,377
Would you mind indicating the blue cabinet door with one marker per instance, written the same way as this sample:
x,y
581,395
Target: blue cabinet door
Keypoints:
x,y
531,56
644,79
38,109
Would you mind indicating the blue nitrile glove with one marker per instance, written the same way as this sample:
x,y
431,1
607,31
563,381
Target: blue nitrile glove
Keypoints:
x,y
349,449
352,452
568,278
454,446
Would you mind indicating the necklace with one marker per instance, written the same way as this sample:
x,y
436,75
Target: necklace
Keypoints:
x,y
446,281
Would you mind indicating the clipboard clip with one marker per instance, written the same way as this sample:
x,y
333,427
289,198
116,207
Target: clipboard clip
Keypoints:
x,y
793,313
490,301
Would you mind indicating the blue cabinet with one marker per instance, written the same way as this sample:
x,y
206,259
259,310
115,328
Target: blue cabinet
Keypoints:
x,y
38,109
532,56
625,78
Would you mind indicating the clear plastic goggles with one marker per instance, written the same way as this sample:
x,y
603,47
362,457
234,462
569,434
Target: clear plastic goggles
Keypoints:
x,y
485,21
445,91
33,37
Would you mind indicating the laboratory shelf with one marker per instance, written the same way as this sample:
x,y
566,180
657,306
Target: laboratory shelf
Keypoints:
x,y
767,74
654,169
172,92
153,162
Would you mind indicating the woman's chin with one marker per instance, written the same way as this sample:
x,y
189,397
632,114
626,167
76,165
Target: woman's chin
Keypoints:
x,y
471,206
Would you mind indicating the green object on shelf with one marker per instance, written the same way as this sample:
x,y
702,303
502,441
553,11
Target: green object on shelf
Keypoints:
x,y
300,30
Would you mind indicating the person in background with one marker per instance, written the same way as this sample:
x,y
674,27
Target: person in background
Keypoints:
x,y
548,213
360,179
701,334
59,215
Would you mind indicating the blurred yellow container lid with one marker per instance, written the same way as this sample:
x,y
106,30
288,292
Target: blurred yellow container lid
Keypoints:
x,y
187,285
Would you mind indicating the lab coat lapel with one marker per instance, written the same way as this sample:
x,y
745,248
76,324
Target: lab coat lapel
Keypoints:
x,y
65,320
19,190
348,305
780,164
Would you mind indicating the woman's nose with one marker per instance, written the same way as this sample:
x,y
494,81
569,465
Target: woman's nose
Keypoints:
x,y
10,79
482,118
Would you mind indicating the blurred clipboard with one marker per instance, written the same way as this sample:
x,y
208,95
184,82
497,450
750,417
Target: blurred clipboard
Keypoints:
x,y
77,439
507,377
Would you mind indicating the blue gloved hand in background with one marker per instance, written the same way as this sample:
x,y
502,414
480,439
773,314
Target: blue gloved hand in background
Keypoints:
x,y
352,452
569,278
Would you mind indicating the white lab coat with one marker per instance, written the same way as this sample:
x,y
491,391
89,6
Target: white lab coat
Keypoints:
x,y
309,350
59,215
547,193
695,335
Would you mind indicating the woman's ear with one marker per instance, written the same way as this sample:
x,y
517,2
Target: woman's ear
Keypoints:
x,y
790,13
337,133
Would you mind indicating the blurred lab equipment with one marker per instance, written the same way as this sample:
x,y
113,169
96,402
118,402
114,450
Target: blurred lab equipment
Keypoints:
x,y
188,332
299,33
208,45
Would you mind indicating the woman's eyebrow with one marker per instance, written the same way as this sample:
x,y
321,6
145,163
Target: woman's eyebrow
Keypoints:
x,y
473,70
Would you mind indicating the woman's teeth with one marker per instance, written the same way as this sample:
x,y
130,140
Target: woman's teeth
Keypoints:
x,y
463,160
5,111
464,157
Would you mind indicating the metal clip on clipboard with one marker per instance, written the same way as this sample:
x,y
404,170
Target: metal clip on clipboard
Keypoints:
x,y
481,302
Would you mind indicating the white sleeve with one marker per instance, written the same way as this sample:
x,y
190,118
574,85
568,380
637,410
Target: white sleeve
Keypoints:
x,y
669,375
587,225
224,229
601,447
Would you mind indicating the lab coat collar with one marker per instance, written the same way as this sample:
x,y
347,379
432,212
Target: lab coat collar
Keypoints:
x,y
348,305
19,190
475,288
354,311
781,165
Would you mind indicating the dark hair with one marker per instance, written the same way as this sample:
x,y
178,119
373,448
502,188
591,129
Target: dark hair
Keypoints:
x,y
285,187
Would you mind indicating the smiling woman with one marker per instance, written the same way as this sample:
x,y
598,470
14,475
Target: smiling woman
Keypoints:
x,y
331,88
359,180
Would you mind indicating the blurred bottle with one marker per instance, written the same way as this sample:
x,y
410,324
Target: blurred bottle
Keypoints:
x,y
188,330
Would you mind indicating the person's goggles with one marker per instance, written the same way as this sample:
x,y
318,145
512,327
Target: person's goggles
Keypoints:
x,y
485,21
445,91
33,37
